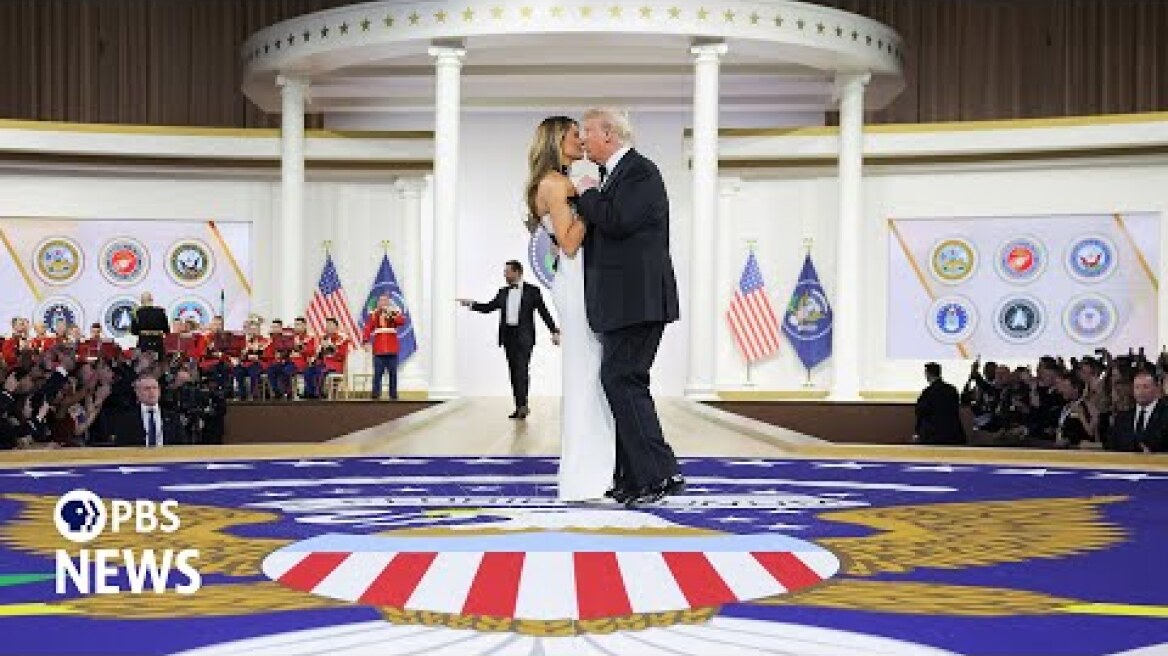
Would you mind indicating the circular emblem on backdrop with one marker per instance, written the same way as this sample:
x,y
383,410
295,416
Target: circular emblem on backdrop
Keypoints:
x,y
952,319
191,308
58,260
1019,319
810,316
1021,260
189,262
117,315
1091,258
60,307
953,260
541,255
124,261
1090,319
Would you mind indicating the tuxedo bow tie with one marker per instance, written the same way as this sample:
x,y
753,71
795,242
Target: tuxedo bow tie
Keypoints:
x,y
603,172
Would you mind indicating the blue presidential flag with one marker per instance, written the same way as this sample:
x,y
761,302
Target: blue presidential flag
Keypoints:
x,y
386,283
807,322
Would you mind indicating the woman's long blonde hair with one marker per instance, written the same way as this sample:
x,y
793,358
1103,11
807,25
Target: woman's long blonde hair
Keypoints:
x,y
547,149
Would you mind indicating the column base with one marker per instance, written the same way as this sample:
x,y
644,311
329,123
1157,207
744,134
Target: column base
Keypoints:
x,y
443,394
844,393
700,393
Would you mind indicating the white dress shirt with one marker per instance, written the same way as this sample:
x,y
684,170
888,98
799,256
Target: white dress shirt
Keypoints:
x,y
610,165
1148,410
146,409
514,296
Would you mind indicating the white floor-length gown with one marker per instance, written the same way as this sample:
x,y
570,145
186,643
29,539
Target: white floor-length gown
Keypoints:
x,y
587,429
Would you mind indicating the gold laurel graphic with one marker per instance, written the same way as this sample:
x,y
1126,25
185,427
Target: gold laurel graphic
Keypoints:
x,y
548,628
960,535
203,528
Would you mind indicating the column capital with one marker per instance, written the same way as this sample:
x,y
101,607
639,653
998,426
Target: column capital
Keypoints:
x,y
292,81
447,53
409,187
708,51
851,81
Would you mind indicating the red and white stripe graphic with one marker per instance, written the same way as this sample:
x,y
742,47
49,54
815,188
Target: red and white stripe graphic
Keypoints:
x,y
549,585
751,316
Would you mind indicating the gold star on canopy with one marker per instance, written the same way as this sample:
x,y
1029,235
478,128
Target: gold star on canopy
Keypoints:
x,y
278,44
440,16
615,12
525,12
586,11
365,25
265,48
557,12
414,18
855,35
646,12
388,20
324,32
869,39
800,23
496,12
703,14
839,31
821,27
468,14
880,44
729,16
778,21
307,35
291,39
754,18
344,28
674,12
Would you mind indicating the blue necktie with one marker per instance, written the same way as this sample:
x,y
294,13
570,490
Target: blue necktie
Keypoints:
x,y
152,432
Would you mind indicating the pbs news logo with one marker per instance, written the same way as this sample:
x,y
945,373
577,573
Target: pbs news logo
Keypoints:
x,y
81,516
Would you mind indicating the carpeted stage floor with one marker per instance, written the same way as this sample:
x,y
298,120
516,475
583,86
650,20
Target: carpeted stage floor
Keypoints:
x,y
871,551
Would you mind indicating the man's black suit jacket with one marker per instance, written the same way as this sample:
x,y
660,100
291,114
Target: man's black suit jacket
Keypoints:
x,y
530,302
1123,435
628,273
939,415
127,429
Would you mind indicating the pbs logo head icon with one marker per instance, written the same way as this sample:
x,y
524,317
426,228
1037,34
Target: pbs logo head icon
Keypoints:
x,y
80,516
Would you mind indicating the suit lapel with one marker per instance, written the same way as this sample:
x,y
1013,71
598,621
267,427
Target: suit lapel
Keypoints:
x,y
622,167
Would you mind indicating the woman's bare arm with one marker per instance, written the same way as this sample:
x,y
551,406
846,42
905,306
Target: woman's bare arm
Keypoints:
x,y
553,194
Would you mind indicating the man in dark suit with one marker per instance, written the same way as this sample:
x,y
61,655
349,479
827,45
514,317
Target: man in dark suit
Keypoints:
x,y
631,293
517,303
147,424
1144,428
149,323
938,411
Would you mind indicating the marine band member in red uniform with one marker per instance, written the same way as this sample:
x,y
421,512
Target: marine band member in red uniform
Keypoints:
x,y
381,333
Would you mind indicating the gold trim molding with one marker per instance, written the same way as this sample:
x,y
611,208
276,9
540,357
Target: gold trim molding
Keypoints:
x,y
198,131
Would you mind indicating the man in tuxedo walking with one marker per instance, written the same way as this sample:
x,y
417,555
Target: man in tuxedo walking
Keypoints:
x,y
518,302
631,294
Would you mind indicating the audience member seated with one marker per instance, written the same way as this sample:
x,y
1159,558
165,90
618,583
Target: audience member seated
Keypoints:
x,y
938,411
1077,419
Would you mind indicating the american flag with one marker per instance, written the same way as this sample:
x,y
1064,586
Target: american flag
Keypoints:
x,y
752,318
329,301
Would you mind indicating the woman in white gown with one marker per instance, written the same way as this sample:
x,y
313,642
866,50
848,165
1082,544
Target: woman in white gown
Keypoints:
x,y
587,429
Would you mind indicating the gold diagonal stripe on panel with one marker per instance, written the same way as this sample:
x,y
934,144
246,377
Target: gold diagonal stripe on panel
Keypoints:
x,y
36,294
1139,253
230,256
920,276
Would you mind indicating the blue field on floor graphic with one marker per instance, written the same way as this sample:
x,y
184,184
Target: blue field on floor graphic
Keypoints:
x,y
474,555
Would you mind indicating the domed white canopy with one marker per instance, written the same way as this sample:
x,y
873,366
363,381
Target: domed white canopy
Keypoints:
x,y
560,54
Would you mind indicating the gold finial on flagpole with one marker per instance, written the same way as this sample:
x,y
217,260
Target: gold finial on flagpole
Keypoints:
x,y
328,246
751,244
807,242
385,246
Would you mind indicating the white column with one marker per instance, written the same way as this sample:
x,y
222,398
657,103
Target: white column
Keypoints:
x,y
725,282
293,92
410,191
702,314
443,320
847,306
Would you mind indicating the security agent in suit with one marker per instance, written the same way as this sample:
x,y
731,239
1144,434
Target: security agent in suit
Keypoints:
x,y
938,411
517,303
1144,428
146,423
150,325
